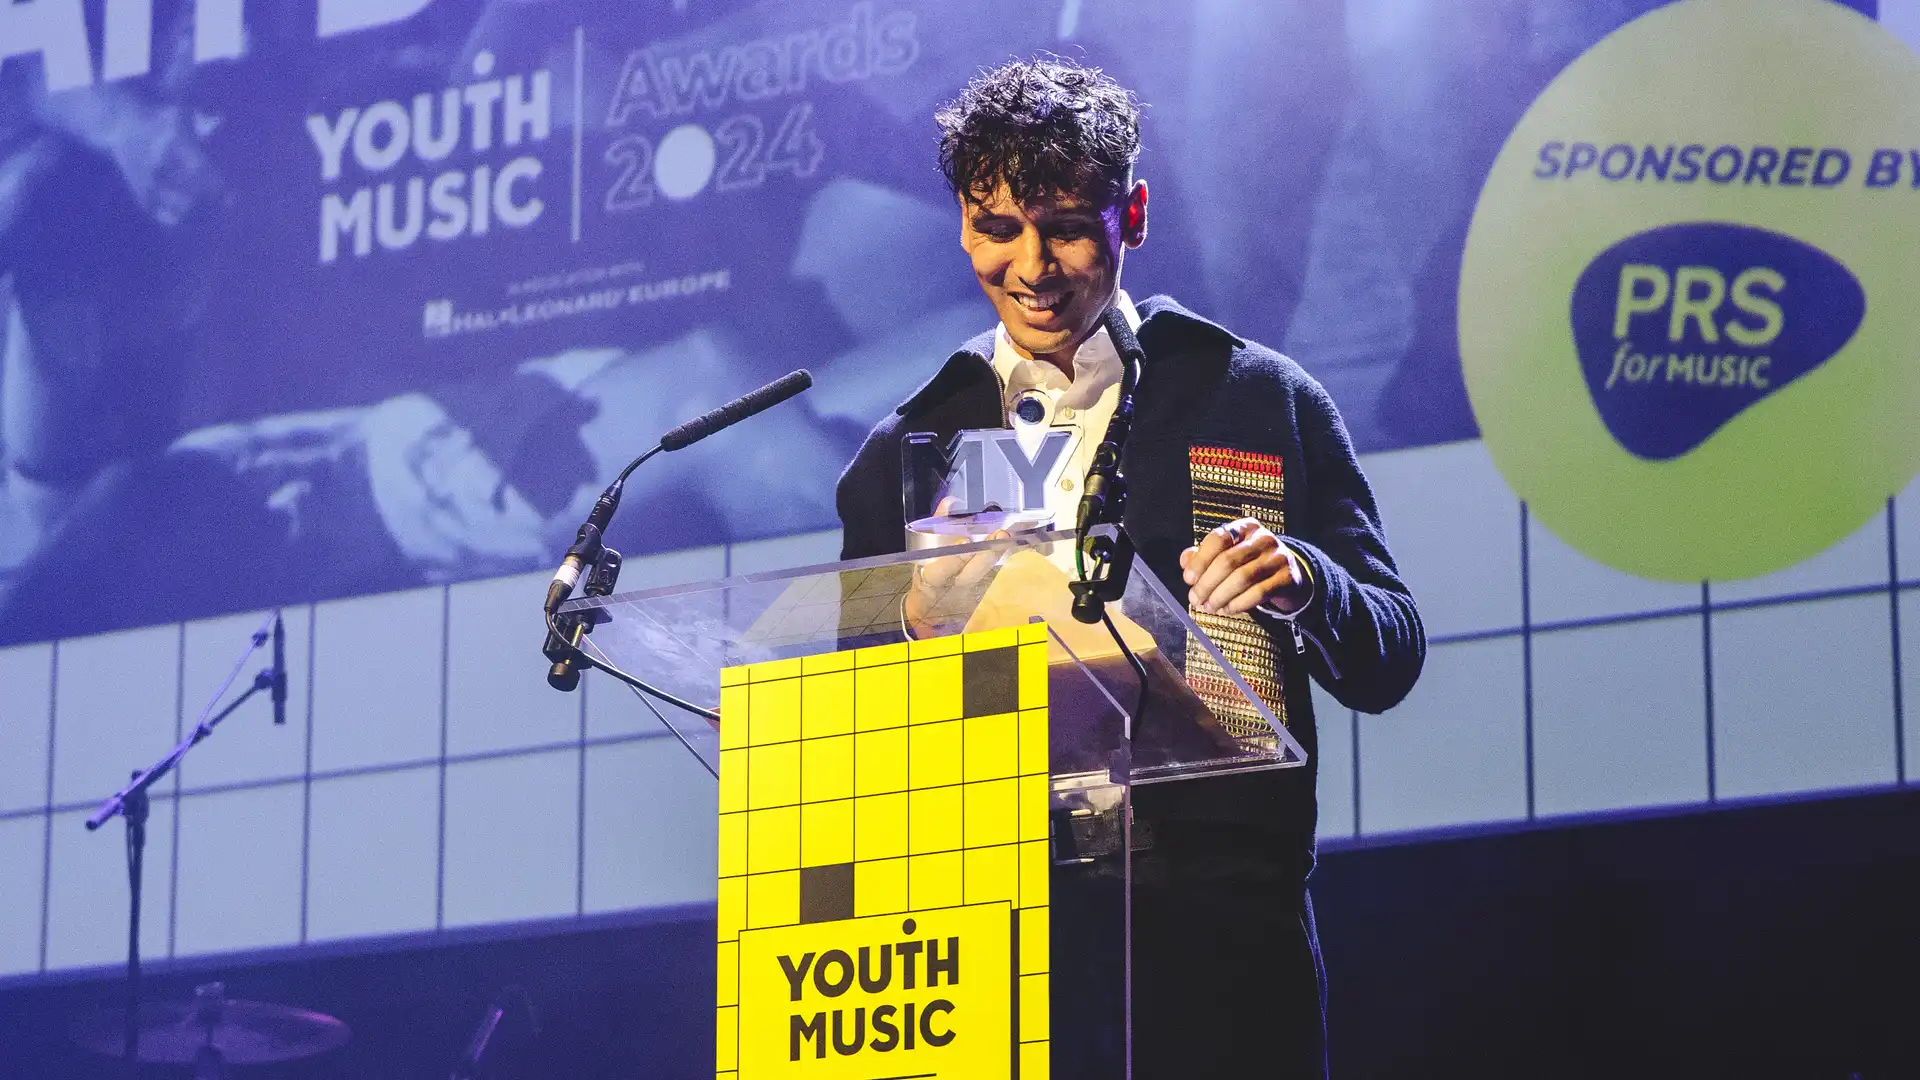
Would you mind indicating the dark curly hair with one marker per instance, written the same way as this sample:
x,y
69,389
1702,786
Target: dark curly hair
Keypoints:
x,y
1046,126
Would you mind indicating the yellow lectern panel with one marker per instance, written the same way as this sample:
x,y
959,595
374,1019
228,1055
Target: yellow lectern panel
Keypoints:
x,y
884,863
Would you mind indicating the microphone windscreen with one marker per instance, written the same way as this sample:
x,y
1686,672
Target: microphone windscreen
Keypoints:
x,y
737,410
1124,340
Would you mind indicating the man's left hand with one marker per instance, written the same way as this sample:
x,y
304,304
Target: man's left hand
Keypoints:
x,y
1240,566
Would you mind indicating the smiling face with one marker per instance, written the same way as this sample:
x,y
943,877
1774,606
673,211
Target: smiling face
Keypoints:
x,y
1051,265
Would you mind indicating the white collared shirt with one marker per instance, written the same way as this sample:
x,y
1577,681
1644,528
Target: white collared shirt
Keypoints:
x,y
1084,402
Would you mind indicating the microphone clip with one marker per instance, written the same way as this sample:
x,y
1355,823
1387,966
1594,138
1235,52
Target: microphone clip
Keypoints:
x,y
563,649
1107,562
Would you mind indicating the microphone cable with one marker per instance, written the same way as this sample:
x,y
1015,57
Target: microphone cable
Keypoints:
x,y
1139,671
632,684
634,681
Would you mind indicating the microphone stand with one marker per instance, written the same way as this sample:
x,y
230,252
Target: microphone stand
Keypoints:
x,y
131,804
468,1067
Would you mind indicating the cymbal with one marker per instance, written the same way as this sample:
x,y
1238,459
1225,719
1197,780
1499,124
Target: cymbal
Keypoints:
x,y
244,1032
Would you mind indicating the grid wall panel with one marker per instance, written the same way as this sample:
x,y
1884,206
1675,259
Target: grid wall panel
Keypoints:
x,y
1906,512
87,890
378,668
373,860
511,848
365,826
1619,716
651,821
1454,529
1453,753
1568,586
23,844
786,552
239,870
1803,697
26,701
1908,727
497,692
116,708
1334,724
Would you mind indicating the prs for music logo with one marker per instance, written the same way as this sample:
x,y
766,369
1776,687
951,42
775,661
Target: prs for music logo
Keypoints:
x,y
1681,328
1682,299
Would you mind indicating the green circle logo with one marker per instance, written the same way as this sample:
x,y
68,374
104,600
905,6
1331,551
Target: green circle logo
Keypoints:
x,y
1684,314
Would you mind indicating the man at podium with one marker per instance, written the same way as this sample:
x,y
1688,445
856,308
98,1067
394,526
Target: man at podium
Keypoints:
x,y
1246,499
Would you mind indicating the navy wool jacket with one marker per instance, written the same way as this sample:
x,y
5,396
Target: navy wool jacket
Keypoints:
x,y
1205,386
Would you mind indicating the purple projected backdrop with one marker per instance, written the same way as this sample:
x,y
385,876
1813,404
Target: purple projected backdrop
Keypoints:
x,y
309,298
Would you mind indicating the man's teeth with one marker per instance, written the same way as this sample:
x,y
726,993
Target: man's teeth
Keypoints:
x,y
1040,301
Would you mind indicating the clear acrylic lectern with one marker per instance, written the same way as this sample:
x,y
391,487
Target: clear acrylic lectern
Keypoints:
x,y
1197,717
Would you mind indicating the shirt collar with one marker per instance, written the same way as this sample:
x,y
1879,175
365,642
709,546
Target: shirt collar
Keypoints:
x,y
1096,364
1164,326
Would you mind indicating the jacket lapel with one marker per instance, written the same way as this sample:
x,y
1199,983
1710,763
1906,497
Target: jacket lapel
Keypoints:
x,y
969,364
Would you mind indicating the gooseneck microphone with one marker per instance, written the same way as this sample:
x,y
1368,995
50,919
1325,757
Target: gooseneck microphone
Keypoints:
x,y
587,542
736,410
1104,562
588,549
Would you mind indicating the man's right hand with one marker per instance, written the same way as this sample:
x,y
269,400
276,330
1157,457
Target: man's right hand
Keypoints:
x,y
934,578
